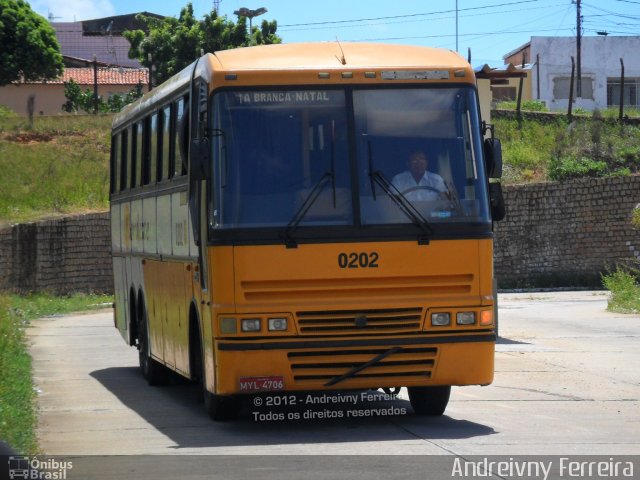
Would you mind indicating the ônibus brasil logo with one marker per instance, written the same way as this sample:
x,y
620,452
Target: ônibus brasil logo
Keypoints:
x,y
35,469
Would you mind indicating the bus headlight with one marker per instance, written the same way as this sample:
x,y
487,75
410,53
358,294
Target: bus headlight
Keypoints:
x,y
466,318
440,319
278,324
251,325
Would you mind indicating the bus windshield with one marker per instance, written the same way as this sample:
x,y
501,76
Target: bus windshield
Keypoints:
x,y
282,157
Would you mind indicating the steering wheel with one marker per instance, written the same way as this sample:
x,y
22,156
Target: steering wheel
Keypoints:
x,y
421,187
441,195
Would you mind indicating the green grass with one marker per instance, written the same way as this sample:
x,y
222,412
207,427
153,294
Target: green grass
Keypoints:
x,y
60,166
557,150
18,414
625,290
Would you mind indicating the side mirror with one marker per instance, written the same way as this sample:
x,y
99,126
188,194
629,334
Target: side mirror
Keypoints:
x,y
200,161
496,200
493,157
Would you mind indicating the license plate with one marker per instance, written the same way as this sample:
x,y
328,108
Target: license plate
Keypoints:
x,y
261,384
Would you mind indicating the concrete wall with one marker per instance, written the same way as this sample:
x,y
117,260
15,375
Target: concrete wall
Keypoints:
x,y
49,98
70,254
555,234
566,234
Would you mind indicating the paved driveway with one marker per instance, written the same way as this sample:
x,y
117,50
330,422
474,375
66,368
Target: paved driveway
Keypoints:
x,y
566,382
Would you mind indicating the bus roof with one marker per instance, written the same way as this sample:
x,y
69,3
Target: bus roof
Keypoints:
x,y
336,55
300,64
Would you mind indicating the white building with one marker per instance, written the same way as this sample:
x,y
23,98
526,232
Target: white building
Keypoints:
x,y
550,59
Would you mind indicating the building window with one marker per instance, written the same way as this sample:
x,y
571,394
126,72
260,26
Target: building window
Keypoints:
x,y
561,87
630,91
501,94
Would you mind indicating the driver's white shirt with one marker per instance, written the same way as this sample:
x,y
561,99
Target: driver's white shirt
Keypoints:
x,y
404,181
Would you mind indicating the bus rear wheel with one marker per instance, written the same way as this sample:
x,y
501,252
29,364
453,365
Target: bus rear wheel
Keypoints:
x,y
221,408
430,401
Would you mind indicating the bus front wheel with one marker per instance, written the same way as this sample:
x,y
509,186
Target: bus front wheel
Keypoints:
x,y
431,401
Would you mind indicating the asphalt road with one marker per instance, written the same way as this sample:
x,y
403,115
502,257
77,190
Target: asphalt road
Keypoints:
x,y
566,383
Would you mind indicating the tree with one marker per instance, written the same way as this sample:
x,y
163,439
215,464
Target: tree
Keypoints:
x,y
30,50
79,100
172,44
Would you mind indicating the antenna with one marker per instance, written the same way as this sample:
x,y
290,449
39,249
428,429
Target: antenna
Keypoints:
x,y
51,17
342,60
216,5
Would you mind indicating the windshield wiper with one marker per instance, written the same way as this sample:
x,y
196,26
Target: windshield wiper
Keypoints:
x,y
403,204
313,195
304,208
377,177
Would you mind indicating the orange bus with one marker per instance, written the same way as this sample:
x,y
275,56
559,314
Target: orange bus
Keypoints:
x,y
308,217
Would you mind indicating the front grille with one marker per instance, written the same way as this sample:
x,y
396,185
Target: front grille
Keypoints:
x,y
400,320
324,366
299,290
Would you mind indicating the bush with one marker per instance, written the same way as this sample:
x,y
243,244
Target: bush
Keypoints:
x,y
635,217
567,167
79,100
6,112
625,291
528,105
534,106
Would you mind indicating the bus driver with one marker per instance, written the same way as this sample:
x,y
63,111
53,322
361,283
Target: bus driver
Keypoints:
x,y
418,184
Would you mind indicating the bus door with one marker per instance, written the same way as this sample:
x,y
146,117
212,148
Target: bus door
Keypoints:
x,y
199,191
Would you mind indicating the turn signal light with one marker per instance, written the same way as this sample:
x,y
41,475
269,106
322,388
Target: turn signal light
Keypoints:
x,y
486,317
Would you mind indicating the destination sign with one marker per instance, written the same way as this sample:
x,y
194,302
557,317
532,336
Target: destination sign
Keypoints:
x,y
289,97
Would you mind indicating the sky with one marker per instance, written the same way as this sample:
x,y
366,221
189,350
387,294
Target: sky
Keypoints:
x,y
490,28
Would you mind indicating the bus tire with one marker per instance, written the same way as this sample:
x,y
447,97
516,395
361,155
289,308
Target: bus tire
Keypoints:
x,y
152,370
429,401
221,408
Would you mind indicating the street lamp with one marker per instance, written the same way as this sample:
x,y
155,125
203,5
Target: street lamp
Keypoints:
x,y
247,12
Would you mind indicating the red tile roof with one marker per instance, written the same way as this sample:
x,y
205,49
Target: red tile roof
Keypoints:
x,y
106,76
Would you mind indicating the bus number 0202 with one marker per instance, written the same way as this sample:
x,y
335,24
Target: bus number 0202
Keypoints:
x,y
358,260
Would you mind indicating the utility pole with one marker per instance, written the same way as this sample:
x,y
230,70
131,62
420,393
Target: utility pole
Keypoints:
x,y
456,25
579,49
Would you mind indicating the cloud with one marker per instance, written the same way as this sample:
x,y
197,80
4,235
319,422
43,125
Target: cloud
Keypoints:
x,y
73,10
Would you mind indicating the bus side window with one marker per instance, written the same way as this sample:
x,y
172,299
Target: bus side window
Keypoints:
x,y
122,183
131,177
142,154
151,172
166,157
115,163
181,138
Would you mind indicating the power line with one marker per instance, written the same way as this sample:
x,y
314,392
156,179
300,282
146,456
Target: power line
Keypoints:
x,y
413,21
406,16
615,14
452,35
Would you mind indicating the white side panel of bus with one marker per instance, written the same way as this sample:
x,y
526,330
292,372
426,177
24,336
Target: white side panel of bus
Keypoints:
x,y
116,241
120,287
163,217
125,227
150,231
137,227
180,218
